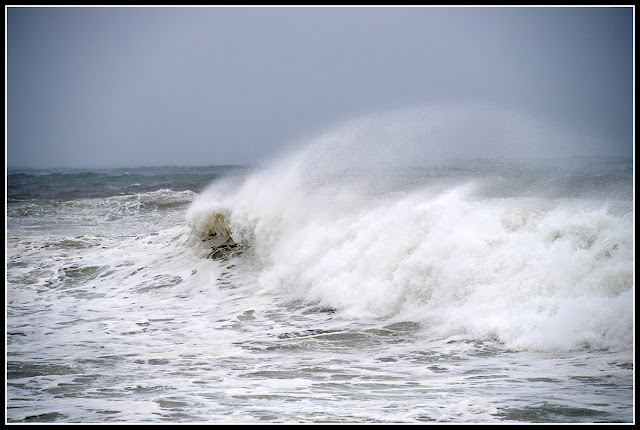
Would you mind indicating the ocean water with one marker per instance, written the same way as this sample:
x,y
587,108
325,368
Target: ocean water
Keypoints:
x,y
322,287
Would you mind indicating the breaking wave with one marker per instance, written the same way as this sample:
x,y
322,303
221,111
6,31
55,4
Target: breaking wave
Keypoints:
x,y
375,238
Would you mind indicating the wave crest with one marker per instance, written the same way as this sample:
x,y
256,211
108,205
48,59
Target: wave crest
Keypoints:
x,y
431,246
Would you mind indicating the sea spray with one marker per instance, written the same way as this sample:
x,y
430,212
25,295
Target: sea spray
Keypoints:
x,y
388,217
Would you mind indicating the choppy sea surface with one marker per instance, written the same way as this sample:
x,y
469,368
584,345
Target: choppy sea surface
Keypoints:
x,y
475,292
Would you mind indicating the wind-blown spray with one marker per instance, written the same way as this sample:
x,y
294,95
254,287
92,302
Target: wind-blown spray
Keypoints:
x,y
446,217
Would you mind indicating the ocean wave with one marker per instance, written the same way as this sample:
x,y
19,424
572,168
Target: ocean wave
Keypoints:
x,y
134,202
495,267
342,223
74,184
139,212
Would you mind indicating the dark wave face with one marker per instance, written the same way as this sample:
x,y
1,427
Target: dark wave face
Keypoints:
x,y
69,184
104,200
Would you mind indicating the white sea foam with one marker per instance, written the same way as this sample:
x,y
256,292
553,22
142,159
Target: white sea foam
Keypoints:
x,y
331,225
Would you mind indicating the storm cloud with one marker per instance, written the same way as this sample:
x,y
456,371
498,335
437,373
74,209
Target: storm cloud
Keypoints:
x,y
137,86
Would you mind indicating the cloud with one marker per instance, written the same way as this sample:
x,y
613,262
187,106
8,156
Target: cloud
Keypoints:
x,y
96,87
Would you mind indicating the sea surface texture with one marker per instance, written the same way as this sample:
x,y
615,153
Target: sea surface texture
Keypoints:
x,y
323,286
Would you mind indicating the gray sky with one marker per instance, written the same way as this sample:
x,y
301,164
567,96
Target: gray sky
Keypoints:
x,y
108,87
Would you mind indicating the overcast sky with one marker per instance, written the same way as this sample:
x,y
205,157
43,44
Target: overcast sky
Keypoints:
x,y
108,87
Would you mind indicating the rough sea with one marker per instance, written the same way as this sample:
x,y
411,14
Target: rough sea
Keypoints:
x,y
321,288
